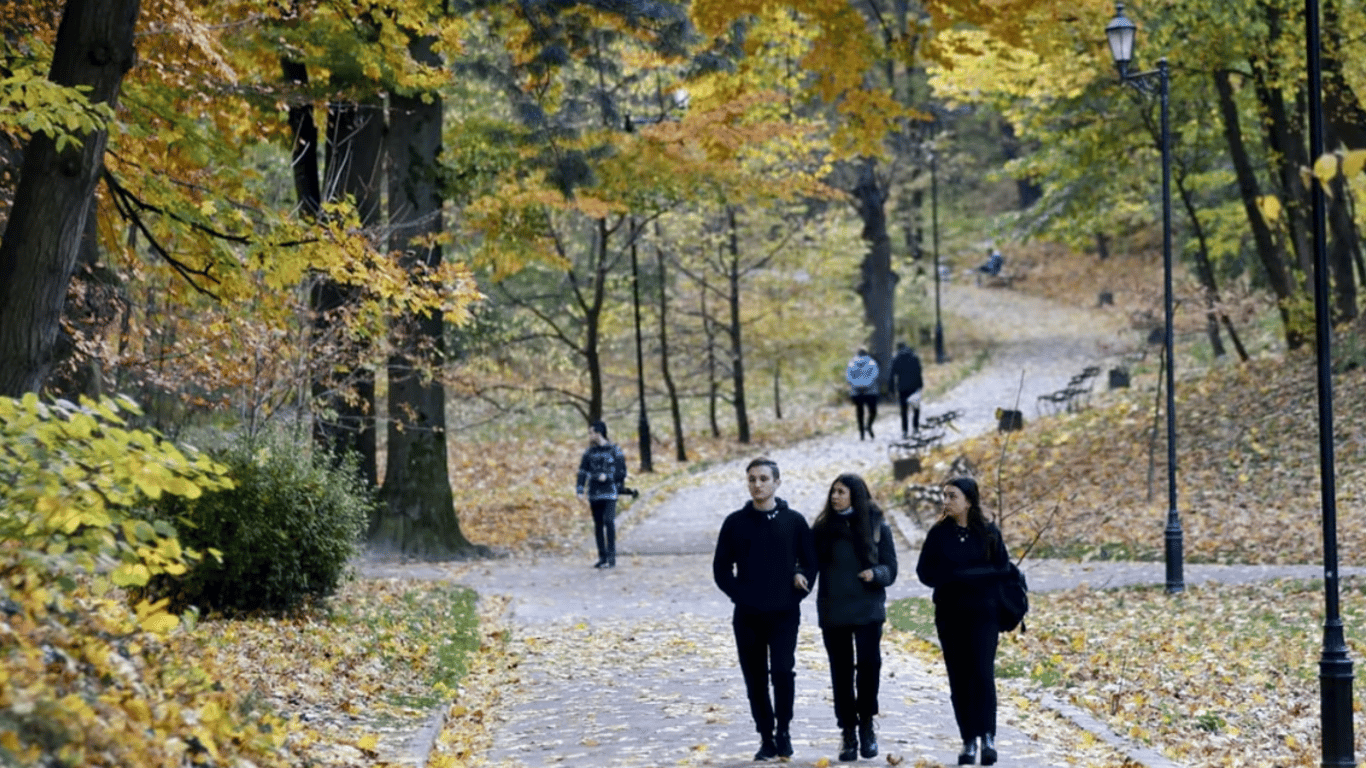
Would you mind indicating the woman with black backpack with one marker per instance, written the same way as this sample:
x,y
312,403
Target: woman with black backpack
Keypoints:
x,y
963,560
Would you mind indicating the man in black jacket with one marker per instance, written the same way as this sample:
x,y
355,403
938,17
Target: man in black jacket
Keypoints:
x,y
909,383
765,562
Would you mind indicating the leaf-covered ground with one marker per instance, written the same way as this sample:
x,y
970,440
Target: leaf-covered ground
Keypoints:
x,y
1216,676
1219,675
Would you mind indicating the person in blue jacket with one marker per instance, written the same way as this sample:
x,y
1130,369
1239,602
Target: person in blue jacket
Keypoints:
x,y
602,473
765,562
857,563
962,560
861,373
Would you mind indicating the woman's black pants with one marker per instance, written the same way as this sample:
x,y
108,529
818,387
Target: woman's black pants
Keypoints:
x,y
855,666
969,645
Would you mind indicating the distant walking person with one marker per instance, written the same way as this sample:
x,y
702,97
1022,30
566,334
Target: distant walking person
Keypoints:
x,y
909,383
862,377
962,560
992,266
857,563
602,473
765,562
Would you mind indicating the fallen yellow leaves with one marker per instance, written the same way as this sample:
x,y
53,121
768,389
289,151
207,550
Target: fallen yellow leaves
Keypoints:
x,y
1201,675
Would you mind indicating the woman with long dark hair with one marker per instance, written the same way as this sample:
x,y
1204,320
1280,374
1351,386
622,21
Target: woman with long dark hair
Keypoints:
x,y
857,562
963,560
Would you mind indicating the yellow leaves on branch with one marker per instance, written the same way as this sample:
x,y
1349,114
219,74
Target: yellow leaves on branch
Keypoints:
x,y
32,104
72,473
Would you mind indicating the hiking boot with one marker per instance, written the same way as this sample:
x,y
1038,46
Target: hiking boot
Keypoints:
x,y
767,750
848,745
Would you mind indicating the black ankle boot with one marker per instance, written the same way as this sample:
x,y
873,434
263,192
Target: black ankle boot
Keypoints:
x,y
989,749
783,742
969,754
767,749
867,740
848,745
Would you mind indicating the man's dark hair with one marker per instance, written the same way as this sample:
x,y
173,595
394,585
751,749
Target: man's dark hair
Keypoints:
x,y
763,461
600,427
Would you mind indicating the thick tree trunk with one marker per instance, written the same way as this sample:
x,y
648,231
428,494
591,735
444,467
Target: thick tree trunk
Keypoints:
x,y
418,517
877,286
355,142
1272,257
92,305
737,347
303,155
42,238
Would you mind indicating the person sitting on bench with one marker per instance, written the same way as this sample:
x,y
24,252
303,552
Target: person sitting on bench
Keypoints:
x,y
995,261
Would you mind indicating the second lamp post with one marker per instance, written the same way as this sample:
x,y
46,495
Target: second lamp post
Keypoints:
x,y
1120,33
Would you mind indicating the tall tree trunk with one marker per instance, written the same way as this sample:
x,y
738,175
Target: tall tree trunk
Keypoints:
x,y
418,517
42,238
675,407
355,142
1272,257
737,348
877,286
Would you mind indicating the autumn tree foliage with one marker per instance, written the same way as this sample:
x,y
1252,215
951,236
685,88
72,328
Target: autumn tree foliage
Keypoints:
x,y
1241,164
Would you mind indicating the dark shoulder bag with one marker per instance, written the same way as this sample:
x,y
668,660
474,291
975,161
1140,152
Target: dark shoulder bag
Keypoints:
x,y
1012,599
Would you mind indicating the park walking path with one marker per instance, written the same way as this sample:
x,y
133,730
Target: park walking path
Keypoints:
x,y
636,667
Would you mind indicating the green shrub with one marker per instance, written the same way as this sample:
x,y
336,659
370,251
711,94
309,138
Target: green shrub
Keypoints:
x,y
285,532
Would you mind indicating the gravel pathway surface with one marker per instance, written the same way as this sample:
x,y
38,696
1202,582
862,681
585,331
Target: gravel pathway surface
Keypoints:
x,y
636,666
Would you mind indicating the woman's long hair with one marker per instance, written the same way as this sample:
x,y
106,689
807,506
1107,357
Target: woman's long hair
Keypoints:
x,y
977,520
866,514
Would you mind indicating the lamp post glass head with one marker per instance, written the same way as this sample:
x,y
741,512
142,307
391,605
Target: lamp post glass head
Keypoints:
x,y
1120,32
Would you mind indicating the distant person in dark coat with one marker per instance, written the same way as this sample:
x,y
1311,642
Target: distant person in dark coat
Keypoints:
x,y
857,563
765,562
909,383
861,373
962,560
602,473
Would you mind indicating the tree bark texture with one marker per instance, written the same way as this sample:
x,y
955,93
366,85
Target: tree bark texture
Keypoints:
x,y
42,238
417,485
877,286
355,145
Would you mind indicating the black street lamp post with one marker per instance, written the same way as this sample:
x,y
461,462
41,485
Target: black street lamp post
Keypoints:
x,y
1335,666
1120,33
939,356
643,423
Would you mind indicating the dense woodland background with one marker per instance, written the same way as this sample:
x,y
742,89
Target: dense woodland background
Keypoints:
x,y
402,224
426,242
